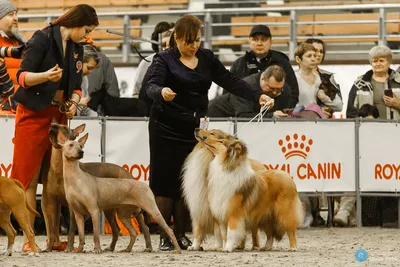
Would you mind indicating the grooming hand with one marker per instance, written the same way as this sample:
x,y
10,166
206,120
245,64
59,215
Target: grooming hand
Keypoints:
x,y
54,74
266,100
168,94
392,102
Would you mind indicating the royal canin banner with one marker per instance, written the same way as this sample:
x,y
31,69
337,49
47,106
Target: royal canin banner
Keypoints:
x,y
127,144
320,156
6,145
379,157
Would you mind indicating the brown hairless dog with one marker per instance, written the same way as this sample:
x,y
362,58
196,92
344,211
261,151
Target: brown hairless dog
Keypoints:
x,y
87,194
53,195
12,199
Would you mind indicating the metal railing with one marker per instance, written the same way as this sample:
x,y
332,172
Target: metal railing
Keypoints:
x,y
293,23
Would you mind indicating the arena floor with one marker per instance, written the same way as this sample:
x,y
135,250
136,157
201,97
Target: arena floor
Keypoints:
x,y
316,247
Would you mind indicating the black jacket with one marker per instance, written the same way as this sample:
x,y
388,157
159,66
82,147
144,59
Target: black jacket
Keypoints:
x,y
248,64
248,109
43,51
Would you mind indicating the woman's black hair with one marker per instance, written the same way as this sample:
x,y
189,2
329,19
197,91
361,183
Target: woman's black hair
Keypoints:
x,y
160,28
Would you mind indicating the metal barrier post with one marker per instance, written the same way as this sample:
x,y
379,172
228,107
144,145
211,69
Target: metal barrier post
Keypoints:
x,y
382,27
357,173
126,45
208,31
102,121
293,34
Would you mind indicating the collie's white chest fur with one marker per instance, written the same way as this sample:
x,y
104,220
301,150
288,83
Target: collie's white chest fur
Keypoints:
x,y
194,184
223,184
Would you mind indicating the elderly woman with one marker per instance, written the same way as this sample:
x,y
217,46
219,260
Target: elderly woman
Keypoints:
x,y
370,87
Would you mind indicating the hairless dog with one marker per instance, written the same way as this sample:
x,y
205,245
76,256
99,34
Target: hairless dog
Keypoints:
x,y
54,194
87,194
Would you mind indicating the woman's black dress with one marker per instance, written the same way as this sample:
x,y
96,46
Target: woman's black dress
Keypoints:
x,y
172,124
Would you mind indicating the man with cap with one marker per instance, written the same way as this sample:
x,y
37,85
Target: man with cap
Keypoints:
x,y
261,57
258,59
9,36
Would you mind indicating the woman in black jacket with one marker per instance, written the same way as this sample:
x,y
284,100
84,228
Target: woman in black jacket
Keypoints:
x,y
50,74
179,80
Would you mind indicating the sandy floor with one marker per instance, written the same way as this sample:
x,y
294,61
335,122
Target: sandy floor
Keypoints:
x,y
316,247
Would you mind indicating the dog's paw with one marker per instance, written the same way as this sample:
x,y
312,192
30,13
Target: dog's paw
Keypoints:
x,y
34,254
125,251
7,252
97,251
255,248
293,249
195,248
148,250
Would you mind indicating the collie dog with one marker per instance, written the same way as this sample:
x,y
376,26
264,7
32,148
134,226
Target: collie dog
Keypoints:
x,y
194,188
243,195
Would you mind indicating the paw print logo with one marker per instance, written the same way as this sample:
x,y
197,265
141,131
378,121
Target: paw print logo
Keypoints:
x,y
295,145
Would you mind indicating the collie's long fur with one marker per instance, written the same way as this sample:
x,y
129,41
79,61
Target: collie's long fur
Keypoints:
x,y
242,195
195,187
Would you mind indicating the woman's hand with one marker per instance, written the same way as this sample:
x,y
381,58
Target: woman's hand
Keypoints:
x,y
84,101
54,74
71,111
321,94
392,102
264,99
168,94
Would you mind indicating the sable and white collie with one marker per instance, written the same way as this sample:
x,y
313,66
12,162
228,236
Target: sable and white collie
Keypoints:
x,y
243,195
195,187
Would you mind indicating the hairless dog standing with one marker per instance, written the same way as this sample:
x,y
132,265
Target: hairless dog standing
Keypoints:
x,y
86,194
54,194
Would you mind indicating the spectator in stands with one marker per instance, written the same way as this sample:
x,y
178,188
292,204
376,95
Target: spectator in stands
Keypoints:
x,y
50,73
346,213
378,87
91,61
320,51
370,87
309,82
272,83
9,36
180,97
102,78
161,27
262,56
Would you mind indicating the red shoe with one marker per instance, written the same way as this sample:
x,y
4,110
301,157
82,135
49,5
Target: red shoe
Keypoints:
x,y
61,247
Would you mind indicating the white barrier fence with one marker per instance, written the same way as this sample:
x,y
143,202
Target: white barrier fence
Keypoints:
x,y
330,157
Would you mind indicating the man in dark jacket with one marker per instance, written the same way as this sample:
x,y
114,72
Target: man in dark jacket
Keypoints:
x,y
261,57
271,82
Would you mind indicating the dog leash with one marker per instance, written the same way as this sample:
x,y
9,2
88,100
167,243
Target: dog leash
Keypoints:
x,y
63,107
264,109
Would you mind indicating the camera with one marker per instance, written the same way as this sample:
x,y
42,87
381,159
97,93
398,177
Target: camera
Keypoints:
x,y
12,51
388,92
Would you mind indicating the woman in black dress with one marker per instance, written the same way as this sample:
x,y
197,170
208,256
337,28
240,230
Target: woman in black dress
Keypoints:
x,y
179,80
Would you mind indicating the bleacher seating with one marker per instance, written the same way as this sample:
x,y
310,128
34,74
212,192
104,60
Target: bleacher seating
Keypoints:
x,y
344,30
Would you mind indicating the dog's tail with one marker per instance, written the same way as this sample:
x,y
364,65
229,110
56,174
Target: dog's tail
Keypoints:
x,y
18,183
300,212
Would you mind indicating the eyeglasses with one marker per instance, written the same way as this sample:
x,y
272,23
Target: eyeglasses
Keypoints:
x,y
274,90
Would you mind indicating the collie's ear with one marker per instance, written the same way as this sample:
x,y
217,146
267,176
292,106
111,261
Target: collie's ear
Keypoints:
x,y
236,148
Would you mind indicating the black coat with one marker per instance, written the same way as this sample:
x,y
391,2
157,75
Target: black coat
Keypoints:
x,y
247,65
43,51
247,109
